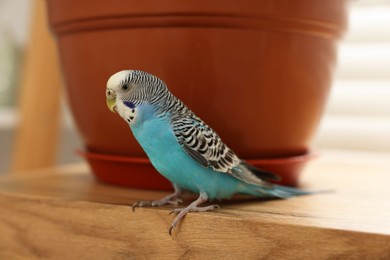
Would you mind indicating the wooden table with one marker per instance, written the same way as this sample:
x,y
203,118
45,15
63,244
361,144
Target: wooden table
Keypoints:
x,y
63,213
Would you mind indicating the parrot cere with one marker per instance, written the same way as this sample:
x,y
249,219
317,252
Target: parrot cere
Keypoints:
x,y
183,148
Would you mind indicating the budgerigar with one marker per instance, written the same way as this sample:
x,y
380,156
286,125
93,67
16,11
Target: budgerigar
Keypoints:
x,y
182,147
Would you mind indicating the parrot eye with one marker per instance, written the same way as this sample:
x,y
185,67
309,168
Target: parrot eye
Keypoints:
x,y
125,87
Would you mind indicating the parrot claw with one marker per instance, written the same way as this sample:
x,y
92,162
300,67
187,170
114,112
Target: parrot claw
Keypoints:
x,y
175,202
172,199
156,203
197,209
141,204
183,211
193,207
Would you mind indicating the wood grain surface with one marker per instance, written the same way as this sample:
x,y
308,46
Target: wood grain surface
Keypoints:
x,y
63,213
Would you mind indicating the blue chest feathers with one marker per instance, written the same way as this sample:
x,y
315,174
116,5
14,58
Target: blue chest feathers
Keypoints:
x,y
156,137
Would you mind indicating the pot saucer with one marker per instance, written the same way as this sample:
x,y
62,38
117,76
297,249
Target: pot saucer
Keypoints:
x,y
138,172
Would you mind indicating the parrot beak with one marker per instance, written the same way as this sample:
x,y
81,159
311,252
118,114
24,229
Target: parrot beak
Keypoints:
x,y
111,100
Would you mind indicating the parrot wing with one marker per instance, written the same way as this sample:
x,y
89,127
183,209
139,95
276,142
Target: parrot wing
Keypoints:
x,y
206,147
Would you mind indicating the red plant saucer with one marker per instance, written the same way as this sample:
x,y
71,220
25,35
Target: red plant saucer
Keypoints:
x,y
139,173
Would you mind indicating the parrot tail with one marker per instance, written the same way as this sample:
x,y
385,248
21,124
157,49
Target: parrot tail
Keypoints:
x,y
285,192
279,191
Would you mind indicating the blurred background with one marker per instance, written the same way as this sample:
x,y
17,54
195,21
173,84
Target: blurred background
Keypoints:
x,y
357,116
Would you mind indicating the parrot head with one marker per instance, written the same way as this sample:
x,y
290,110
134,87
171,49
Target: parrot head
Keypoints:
x,y
132,87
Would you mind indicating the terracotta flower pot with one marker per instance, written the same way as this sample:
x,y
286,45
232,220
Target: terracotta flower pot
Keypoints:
x,y
258,72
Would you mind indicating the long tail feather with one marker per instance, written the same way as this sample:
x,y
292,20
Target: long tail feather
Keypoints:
x,y
279,191
285,192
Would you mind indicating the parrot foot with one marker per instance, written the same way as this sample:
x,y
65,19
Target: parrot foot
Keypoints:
x,y
171,199
193,207
157,203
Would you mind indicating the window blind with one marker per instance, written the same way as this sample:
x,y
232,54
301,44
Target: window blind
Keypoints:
x,y
358,112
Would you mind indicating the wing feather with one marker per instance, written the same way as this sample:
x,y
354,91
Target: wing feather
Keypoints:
x,y
206,147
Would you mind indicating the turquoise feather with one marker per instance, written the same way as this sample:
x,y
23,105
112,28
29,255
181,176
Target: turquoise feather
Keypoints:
x,y
156,137
183,148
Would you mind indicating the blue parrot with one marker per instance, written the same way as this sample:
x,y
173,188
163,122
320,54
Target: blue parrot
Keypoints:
x,y
183,148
